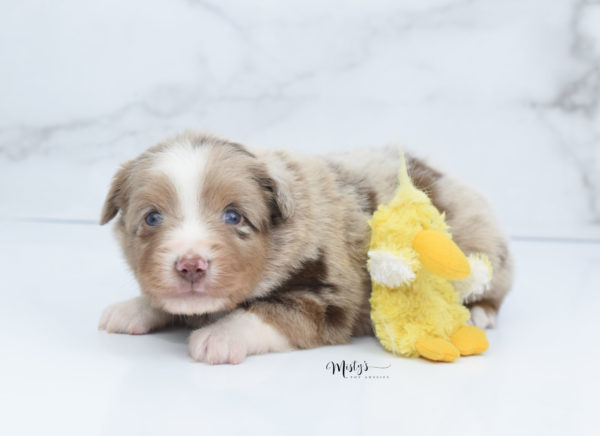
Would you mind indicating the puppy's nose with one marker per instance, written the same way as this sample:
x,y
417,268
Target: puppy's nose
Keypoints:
x,y
191,268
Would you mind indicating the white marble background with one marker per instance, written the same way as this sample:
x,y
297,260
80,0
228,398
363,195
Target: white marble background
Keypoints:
x,y
505,93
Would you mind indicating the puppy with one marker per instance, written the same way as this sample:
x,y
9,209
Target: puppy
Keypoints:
x,y
265,250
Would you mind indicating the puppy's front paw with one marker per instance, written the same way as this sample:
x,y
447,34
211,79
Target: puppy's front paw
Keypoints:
x,y
232,338
215,346
134,317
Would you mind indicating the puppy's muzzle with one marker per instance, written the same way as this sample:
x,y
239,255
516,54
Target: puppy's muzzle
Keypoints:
x,y
191,268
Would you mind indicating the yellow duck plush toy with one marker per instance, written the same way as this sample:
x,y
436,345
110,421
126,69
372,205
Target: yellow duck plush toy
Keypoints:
x,y
420,278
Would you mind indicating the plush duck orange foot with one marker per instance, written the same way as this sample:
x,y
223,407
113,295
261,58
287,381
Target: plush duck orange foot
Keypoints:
x,y
470,340
437,350
466,341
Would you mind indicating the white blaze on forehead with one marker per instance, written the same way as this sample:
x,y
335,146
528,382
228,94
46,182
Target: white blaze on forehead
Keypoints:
x,y
184,165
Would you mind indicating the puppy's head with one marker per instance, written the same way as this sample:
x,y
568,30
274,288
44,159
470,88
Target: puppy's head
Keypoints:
x,y
196,213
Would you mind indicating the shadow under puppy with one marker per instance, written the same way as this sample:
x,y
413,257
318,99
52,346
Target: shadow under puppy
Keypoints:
x,y
265,250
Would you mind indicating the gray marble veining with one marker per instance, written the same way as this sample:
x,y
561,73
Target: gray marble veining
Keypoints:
x,y
507,93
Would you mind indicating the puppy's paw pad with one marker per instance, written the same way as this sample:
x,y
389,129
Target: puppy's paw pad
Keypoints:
x,y
214,346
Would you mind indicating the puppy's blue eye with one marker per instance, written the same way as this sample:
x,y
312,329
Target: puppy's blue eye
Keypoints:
x,y
154,219
231,217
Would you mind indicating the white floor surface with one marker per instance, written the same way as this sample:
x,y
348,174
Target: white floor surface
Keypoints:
x,y
62,376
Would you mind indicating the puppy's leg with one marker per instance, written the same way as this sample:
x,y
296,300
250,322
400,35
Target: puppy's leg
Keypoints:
x,y
278,323
483,314
484,307
134,317
235,336
475,230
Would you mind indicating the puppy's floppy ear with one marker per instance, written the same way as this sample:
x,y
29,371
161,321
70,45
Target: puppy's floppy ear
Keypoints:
x,y
281,200
116,196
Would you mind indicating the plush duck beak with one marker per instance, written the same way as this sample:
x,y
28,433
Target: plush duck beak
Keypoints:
x,y
440,255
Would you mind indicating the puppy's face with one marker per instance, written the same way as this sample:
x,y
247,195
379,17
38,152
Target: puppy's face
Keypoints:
x,y
195,222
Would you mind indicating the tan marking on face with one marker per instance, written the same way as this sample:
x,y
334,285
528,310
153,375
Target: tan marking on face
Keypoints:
x,y
151,191
238,251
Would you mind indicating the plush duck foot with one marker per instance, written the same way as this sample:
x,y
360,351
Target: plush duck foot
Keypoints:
x,y
470,340
437,350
